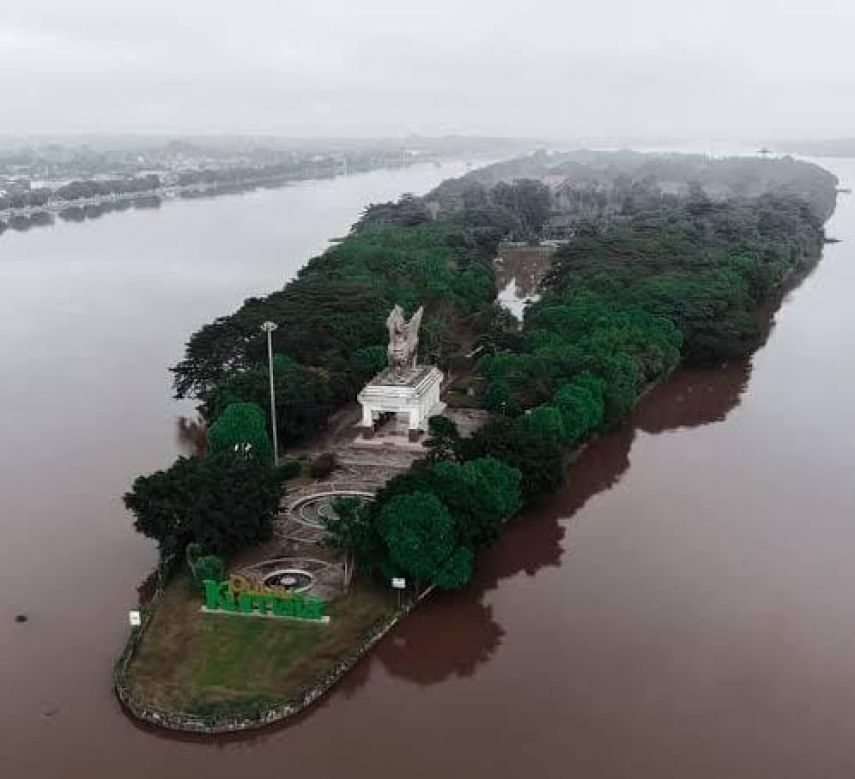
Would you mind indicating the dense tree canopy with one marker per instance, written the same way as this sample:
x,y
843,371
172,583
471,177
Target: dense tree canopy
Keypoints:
x,y
538,459
303,397
225,503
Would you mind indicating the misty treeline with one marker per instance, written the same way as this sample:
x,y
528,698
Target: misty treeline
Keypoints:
x,y
78,190
649,278
616,175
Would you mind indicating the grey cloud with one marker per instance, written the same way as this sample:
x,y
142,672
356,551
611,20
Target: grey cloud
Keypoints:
x,y
764,67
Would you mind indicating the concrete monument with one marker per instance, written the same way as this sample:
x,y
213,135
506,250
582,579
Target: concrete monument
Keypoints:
x,y
404,387
403,338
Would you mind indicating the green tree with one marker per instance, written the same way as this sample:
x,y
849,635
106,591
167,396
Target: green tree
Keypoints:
x,y
224,503
303,397
538,459
351,532
443,439
500,399
420,536
241,427
528,199
621,376
581,406
546,421
370,360
481,494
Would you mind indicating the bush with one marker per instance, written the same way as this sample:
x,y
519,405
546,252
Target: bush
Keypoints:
x,y
443,439
290,468
208,567
323,465
500,399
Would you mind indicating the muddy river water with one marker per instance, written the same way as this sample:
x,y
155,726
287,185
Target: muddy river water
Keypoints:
x,y
685,607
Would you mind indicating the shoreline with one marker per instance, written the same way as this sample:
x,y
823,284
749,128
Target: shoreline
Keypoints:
x,y
275,714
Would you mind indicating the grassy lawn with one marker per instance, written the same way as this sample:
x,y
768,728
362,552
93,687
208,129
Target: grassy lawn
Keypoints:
x,y
200,663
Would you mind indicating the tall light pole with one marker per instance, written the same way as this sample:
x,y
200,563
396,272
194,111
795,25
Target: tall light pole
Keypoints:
x,y
269,327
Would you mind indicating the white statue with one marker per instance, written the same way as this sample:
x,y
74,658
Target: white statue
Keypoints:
x,y
403,338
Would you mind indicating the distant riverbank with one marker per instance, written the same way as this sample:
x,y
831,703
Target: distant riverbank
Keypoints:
x,y
79,209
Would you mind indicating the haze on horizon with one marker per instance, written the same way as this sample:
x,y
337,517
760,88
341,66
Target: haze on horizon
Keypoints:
x,y
620,68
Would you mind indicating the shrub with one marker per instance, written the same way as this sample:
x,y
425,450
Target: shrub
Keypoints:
x,y
290,468
208,567
323,465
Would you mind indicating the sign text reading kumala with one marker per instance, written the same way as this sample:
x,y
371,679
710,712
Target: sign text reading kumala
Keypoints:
x,y
235,597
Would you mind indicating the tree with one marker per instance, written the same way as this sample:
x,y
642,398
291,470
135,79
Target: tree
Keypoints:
x,y
538,459
225,503
546,421
443,439
241,427
370,360
481,494
350,532
303,397
581,406
621,376
528,199
500,399
420,536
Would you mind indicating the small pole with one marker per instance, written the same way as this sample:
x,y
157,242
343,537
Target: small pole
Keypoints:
x,y
399,584
269,327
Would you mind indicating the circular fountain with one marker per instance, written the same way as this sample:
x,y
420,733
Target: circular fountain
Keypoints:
x,y
290,579
317,510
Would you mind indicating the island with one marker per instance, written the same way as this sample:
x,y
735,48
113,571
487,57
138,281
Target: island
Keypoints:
x,y
277,574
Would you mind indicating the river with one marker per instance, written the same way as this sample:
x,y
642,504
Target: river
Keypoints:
x,y
683,608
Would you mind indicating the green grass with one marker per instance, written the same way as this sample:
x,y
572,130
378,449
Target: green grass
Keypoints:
x,y
200,663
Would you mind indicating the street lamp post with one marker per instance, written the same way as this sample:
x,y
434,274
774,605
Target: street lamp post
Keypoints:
x,y
269,327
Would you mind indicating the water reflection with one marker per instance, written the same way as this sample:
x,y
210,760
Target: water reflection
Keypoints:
x,y
694,397
455,633
24,223
77,213
469,637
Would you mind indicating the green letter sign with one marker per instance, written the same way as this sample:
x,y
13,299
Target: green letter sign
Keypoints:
x,y
221,596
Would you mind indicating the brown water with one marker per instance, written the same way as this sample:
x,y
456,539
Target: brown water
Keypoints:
x,y
684,608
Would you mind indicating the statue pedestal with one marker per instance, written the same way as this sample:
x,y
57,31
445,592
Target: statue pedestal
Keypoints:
x,y
411,391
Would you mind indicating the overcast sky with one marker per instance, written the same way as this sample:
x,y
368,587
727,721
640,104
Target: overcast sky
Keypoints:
x,y
758,68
